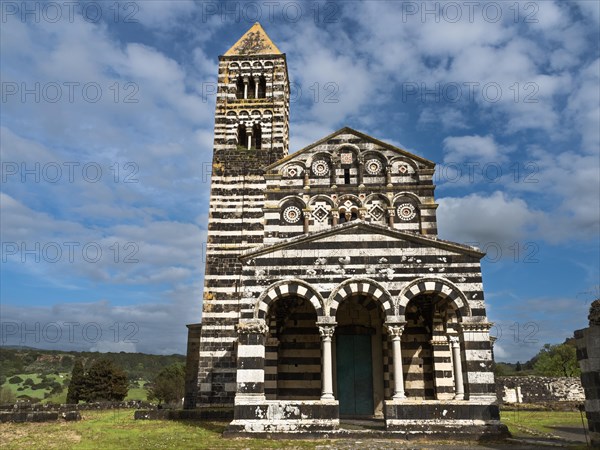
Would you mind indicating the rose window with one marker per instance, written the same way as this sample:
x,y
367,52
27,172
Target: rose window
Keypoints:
x,y
374,167
291,214
320,168
406,212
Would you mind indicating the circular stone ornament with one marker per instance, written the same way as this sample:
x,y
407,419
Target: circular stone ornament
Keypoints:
x,y
406,212
291,214
320,168
374,167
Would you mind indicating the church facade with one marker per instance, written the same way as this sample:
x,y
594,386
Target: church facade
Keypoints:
x,y
327,291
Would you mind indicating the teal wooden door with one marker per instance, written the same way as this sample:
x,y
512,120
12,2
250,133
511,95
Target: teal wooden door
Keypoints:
x,y
354,374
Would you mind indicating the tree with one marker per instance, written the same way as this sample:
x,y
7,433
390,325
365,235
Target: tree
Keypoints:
x,y
104,381
558,361
7,396
169,385
518,368
76,383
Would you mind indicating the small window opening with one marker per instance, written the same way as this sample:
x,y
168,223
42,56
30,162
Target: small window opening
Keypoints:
x,y
256,136
240,88
242,136
262,87
347,176
251,87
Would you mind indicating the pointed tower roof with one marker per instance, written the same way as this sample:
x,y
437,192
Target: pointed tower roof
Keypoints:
x,y
254,42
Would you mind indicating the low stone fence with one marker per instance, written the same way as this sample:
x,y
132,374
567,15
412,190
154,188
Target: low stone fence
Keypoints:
x,y
48,412
534,389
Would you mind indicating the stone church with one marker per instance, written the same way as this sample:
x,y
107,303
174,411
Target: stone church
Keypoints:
x,y
327,292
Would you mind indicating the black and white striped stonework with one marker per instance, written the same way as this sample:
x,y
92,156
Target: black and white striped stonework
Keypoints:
x,y
236,218
304,249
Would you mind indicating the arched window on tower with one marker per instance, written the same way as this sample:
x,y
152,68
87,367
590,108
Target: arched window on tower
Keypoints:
x,y
239,86
262,87
251,88
242,141
256,138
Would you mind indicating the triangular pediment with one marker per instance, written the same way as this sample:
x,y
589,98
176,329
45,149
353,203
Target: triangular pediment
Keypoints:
x,y
361,227
363,137
254,42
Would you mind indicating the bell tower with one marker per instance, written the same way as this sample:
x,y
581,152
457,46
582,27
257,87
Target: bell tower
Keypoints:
x,y
253,97
251,132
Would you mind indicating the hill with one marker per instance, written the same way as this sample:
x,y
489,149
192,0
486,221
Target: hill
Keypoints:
x,y
36,374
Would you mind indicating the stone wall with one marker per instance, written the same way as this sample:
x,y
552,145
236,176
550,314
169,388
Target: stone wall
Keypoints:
x,y
531,389
588,354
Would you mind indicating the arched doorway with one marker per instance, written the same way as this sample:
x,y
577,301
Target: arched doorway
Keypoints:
x,y
426,352
292,351
359,369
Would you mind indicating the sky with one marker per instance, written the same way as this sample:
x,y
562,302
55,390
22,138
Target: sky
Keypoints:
x,y
107,116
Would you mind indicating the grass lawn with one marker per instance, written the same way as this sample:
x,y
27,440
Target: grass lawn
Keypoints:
x,y
118,430
527,423
138,392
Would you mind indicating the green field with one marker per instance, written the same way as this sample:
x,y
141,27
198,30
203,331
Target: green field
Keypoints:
x,y
136,388
116,429
539,423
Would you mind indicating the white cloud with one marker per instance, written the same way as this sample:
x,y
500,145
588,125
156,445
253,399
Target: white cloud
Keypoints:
x,y
486,219
474,148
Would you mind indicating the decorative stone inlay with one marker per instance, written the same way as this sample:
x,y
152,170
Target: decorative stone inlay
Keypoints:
x,y
291,214
376,212
252,327
374,167
320,168
292,172
403,169
346,158
320,213
406,212
482,326
253,43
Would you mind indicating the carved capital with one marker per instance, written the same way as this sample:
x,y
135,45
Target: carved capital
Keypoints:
x,y
255,326
326,331
395,330
454,341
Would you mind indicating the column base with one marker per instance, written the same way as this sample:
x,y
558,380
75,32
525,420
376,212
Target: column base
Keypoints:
x,y
399,397
327,397
459,397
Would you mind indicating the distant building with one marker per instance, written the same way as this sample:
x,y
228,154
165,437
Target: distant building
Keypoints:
x,y
327,292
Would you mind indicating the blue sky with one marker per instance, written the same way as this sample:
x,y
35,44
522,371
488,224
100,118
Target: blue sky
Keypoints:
x,y
107,125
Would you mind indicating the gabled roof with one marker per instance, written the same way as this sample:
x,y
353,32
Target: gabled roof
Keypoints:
x,y
360,224
366,137
254,42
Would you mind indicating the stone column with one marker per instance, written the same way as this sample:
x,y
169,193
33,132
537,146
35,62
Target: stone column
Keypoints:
x,y
306,220
388,176
256,83
250,377
391,213
326,331
246,80
359,174
395,331
335,217
459,387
